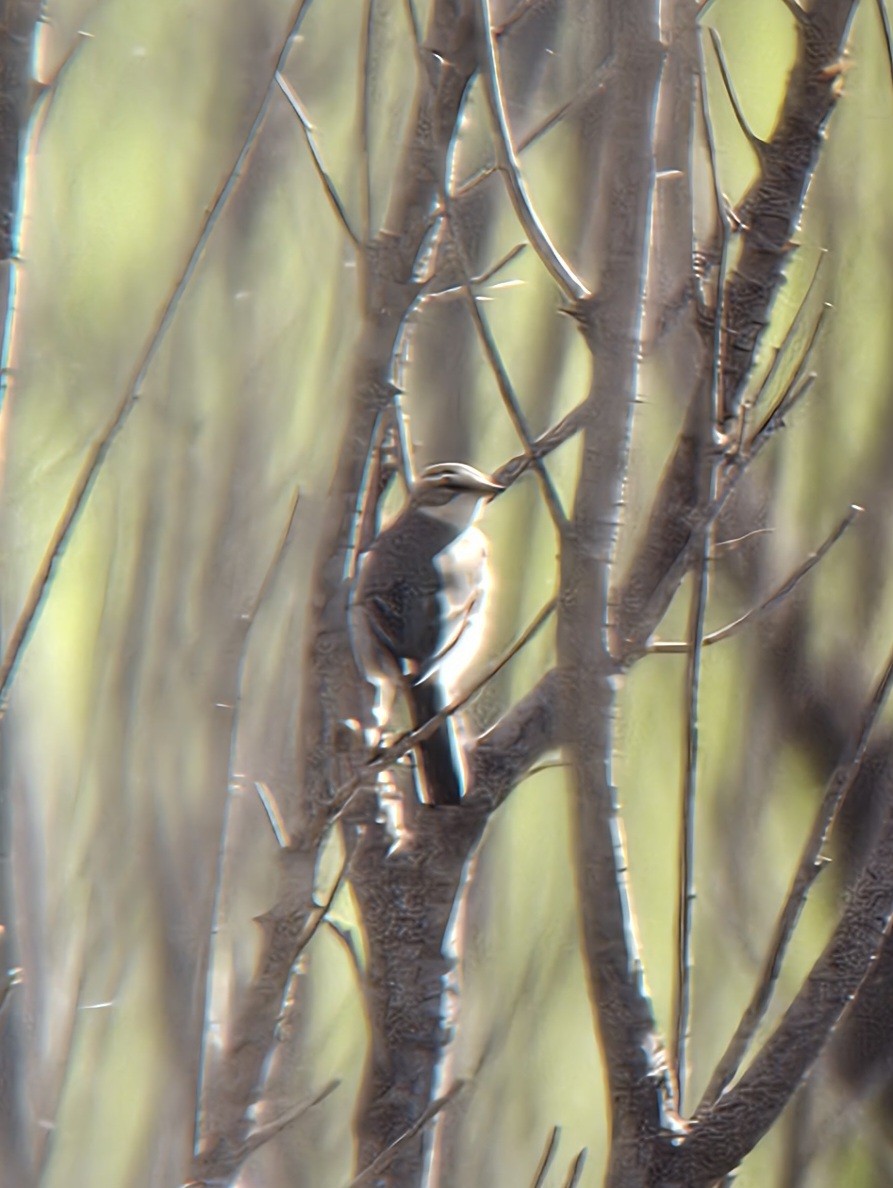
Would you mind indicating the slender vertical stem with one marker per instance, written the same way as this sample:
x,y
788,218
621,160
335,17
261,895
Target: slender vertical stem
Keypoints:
x,y
686,892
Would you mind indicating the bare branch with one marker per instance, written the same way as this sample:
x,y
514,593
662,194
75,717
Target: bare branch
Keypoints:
x,y
719,310
793,333
794,391
593,86
686,891
562,431
750,136
661,561
80,492
809,867
611,324
726,1131
332,691
569,283
363,122
328,185
793,581
770,211
768,217
510,400
788,586
262,1134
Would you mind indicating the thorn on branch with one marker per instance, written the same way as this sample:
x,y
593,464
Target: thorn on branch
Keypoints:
x,y
539,1177
576,1169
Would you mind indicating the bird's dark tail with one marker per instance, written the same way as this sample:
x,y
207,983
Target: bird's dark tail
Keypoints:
x,y
437,757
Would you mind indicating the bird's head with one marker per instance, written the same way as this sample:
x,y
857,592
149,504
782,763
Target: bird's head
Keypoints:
x,y
453,492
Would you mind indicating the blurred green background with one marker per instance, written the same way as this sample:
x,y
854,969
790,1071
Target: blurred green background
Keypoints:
x,y
156,693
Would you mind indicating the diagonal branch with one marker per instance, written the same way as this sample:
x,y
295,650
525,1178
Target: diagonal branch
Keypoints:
x,y
727,1131
808,869
771,210
560,271
787,587
96,455
328,185
768,217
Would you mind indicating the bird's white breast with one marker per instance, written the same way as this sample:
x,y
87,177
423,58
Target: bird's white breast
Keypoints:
x,y
464,571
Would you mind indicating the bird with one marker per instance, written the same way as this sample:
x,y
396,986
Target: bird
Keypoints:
x,y
417,612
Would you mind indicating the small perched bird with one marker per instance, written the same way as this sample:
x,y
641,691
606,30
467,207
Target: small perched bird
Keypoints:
x,y
416,612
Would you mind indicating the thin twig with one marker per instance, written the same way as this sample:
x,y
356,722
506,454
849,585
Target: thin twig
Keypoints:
x,y
698,611
276,558
329,186
267,1130
787,587
777,596
719,326
888,32
793,395
385,1159
686,893
475,281
546,1159
594,84
96,455
730,543
513,407
569,426
263,1133
503,383
576,1169
363,123
794,392
273,812
503,262
758,145
219,879
808,869
566,279
779,356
